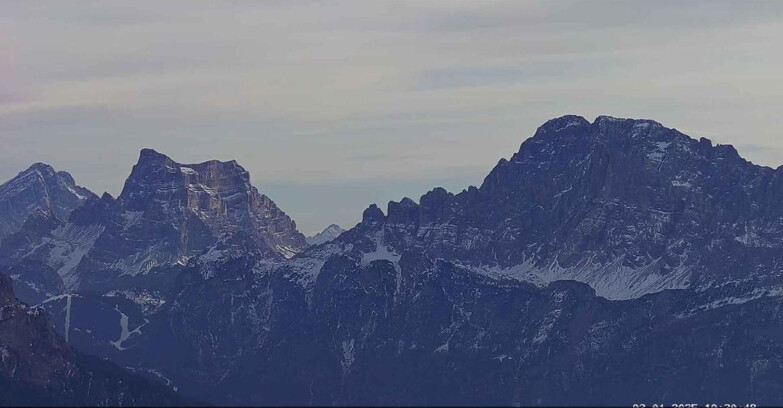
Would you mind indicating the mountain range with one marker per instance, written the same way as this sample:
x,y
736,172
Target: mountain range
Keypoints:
x,y
608,262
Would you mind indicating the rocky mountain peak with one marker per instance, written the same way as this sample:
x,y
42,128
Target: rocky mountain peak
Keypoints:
x,y
39,167
44,176
151,157
156,179
167,213
373,215
406,211
202,202
39,187
328,234
561,123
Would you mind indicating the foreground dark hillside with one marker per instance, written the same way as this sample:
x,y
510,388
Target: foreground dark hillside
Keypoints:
x,y
37,367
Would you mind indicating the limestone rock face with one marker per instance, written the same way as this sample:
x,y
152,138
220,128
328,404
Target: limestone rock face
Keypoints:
x,y
213,198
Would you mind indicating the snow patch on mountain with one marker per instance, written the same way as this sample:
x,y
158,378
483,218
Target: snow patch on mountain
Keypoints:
x,y
126,334
612,280
381,252
149,301
69,244
524,272
144,261
187,170
615,281
67,317
735,298
287,251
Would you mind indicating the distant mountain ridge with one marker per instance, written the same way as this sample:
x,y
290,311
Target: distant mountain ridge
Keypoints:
x,y
328,234
604,263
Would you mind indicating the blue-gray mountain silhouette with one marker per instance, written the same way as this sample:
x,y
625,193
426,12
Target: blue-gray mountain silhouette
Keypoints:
x,y
612,262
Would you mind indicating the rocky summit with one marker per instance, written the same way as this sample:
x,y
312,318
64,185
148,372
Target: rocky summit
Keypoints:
x,y
39,188
604,263
166,214
207,201
328,234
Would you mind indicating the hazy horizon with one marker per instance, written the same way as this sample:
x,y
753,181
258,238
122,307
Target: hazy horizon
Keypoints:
x,y
334,107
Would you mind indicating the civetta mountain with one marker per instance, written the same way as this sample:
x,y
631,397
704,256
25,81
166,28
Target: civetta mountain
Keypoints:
x,y
605,262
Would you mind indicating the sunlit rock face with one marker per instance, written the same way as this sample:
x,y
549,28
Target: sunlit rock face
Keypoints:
x,y
213,196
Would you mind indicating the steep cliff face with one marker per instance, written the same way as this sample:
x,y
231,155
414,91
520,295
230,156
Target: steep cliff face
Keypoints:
x,y
166,214
37,367
169,212
211,198
39,188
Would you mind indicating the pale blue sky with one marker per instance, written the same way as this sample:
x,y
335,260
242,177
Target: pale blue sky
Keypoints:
x,y
334,105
